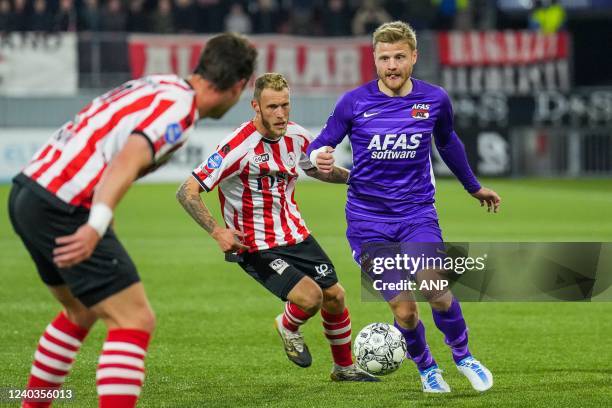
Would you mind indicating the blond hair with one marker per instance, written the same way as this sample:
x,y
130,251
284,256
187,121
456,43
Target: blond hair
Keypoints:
x,y
395,31
269,80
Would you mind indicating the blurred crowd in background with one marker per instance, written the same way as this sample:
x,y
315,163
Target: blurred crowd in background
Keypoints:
x,y
298,17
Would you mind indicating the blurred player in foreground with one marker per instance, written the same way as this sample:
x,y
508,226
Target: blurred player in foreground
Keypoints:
x,y
61,206
255,169
390,123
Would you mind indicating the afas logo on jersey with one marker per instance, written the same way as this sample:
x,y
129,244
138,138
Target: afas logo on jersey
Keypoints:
x,y
214,161
261,158
173,133
420,111
394,146
395,142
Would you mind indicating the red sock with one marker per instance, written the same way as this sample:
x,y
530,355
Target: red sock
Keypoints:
x,y
120,371
337,328
294,317
57,349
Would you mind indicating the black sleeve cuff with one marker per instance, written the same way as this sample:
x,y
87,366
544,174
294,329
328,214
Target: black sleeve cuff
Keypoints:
x,y
204,186
138,132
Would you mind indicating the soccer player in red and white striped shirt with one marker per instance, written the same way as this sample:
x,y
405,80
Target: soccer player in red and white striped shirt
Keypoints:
x,y
255,170
62,203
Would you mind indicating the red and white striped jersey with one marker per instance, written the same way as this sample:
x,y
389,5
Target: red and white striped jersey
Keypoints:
x,y
161,108
256,178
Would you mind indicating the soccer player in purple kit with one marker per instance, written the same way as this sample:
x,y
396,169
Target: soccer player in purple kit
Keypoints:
x,y
390,123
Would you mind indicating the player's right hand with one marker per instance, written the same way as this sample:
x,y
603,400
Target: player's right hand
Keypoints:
x,y
75,248
325,160
229,240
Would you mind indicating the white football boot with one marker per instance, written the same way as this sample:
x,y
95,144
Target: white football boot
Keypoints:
x,y
432,380
479,376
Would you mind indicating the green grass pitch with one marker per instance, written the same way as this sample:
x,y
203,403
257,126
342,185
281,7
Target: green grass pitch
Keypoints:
x,y
215,344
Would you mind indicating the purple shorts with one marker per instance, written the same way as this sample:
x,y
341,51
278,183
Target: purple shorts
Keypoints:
x,y
403,237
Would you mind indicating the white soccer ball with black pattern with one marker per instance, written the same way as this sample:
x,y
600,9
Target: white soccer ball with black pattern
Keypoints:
x,y
379,348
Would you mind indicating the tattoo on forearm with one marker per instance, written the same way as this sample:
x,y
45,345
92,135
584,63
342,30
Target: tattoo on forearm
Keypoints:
x,y
192,203
338,175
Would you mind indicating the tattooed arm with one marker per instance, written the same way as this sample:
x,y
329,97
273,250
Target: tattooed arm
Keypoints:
x,y
189,197
336,175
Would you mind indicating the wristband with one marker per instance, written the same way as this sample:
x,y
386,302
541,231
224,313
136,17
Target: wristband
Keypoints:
x,y
314,153
100,217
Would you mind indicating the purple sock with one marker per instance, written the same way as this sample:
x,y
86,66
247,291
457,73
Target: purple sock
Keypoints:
x,y
452,324
418,350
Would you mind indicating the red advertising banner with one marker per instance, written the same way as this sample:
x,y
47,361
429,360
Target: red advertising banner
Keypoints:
x,y
312,65
512,62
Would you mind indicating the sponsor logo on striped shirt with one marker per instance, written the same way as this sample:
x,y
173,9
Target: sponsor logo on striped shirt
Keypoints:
x,y
173,133
214,161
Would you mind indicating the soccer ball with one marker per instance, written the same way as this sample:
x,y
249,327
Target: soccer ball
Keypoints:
x,y
379,348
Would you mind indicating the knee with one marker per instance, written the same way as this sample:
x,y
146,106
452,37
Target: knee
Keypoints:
x,y
312,300
443,303
147,320
407,316
140,318
333,299
81,316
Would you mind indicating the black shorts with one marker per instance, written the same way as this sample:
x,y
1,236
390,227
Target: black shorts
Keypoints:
x,y
279,269
38,222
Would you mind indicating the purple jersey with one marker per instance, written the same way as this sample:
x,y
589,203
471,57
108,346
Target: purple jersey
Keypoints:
x,y
391,138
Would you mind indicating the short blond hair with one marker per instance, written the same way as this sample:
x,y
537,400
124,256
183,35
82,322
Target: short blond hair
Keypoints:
x,y
269,80
395,31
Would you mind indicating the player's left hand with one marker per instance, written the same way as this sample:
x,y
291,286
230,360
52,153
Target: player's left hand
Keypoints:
x,y
488,196
75,248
